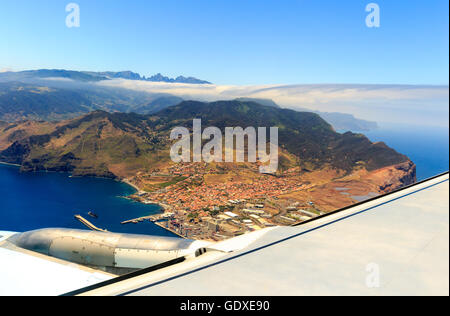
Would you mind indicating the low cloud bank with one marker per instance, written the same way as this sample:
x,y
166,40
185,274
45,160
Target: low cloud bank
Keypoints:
x,y
406,104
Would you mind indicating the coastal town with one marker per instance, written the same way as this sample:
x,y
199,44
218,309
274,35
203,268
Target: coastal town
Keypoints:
x,y
206,202
217,201
237,217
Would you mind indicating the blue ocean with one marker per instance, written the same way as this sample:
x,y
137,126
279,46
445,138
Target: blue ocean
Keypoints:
x,y
42,200
37,200
426,146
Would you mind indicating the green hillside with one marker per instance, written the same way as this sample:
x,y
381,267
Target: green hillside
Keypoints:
x,y
119,144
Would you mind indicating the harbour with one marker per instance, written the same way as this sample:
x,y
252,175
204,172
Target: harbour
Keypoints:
x,y
157,219
53,199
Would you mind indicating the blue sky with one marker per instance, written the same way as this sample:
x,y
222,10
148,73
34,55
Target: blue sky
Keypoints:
x,y
234,42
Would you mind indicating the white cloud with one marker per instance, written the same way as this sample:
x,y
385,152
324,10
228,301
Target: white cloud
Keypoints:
x,y
382,103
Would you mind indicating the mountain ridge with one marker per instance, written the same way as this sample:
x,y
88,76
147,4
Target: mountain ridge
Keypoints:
x,y
302,134
92,76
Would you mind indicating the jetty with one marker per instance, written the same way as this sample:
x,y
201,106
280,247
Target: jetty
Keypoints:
x,y
151,218
156,219
136,220
89,224
169,230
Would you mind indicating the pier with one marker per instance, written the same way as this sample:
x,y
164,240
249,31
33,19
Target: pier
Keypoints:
x,y
89,224
170,230
151,218
136,220
154,219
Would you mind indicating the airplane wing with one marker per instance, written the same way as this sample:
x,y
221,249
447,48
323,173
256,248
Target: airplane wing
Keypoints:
x,y
26,273
396,244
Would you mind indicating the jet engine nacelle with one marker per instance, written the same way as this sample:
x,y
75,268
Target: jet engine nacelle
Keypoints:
x,y
104,249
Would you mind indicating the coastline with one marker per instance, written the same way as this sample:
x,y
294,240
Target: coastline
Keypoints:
x,y
131,184
182,220
53,199
9,164
164,207
126,181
